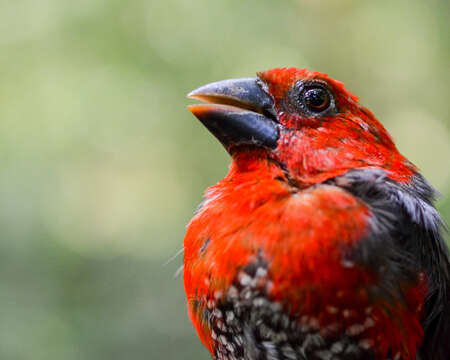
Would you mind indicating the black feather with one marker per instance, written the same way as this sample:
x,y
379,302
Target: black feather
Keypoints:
x,y
406,238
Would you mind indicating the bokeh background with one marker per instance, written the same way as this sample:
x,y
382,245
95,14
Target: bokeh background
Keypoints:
x,y
101,165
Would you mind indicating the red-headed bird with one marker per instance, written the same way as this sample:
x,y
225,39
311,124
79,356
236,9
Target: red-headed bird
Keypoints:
x,y
322,242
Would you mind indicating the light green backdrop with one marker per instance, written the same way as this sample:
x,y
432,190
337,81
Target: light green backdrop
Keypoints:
x,y
101,165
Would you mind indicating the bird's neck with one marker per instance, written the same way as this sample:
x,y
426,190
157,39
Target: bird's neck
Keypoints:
x,y
315,155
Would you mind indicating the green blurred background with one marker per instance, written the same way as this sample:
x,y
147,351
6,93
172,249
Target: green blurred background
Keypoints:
x,y
101,165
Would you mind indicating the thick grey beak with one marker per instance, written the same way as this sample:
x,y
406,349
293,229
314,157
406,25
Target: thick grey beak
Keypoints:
x,y
239,112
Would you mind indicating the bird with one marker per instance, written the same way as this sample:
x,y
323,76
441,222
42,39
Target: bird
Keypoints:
x,y
322,241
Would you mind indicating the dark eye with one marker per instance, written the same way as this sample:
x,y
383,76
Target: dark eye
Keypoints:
x,y
316,99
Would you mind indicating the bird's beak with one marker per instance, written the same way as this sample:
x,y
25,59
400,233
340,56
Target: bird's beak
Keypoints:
x,y
238,112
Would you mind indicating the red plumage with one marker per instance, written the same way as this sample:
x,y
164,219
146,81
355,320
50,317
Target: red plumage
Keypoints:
x,y
289,208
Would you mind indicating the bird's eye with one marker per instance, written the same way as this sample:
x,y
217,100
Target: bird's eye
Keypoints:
x,y
317,99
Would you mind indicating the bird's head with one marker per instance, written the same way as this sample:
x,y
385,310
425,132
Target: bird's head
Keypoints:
x,y
303,121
